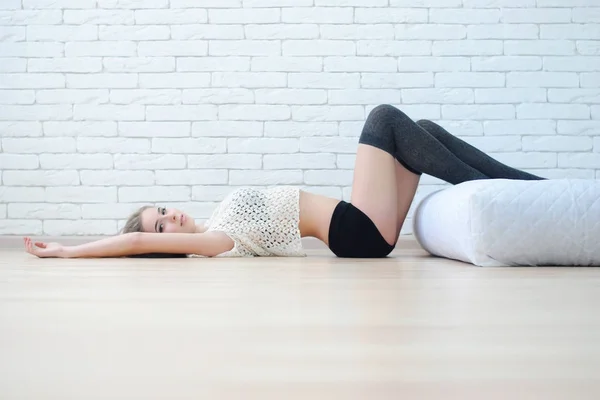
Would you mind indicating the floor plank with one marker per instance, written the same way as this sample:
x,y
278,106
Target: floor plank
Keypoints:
x,y
408,326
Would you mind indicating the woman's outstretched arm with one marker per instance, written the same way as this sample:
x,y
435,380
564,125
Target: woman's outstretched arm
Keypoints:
x,y
206,244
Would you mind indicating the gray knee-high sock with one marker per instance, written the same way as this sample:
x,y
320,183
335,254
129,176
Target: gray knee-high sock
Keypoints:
x,y
474,157
390,130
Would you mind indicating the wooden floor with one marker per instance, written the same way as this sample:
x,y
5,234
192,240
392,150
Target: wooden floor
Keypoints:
x,y
406,327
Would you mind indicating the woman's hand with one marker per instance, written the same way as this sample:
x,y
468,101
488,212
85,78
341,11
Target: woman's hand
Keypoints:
x,y
44,250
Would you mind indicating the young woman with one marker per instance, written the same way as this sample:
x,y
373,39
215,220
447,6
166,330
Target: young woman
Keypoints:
x,y
393,152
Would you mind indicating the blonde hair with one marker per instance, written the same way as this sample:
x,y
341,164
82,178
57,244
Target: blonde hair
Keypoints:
x,y
134,222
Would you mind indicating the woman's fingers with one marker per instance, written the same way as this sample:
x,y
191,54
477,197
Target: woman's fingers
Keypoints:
x,y
40,244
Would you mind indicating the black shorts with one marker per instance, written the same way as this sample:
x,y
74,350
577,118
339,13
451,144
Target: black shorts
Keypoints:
x,y
353,234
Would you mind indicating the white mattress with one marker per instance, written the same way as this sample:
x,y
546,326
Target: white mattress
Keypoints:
x,y
502,222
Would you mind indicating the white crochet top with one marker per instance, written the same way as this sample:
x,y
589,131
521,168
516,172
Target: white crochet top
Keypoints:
x,y
261,222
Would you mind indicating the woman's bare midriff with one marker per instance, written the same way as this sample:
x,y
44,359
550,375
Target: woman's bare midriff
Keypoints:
x,y
315,215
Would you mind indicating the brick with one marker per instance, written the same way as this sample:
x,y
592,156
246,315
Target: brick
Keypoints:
x,y
498,3
529,95
38,145
287,177
360,64
80,128
227,128
44,211
463,16
79,228
393,48
21,194
154,129
591,96
469,79
588,47
244,48
40,178
109,211
286,64
324,80
112,145
495,143
572,63
36,113
290,96
189,146
13,34
462,128
262,145
570,3
125,32
416,111
563,173
586,14
578,160
478,112
217,96
583,128
172,48
193,177
42,4
591,80
181,113
438,96
535,15
355,31
18,161
346,161
98,17
30,17
467,48
328,113
20,227
364,96
389,15
299,161
538,47
171,16
100,49
244,16
557,143
426,3
503,31
76,161
211,64
300,129
318,48
79,64
322,15
570,31
139,64
20,128
434,64
199,32
523,160
81,194
13,64
105,112
31,81
145,96
542,79
337,177
133,4
62,33
430,31
10,5
282,31
72,96
206,3
555,111
277,3
225,161
17,97
396,80
254,112
174,80
248,79
328,145
506,63
148,161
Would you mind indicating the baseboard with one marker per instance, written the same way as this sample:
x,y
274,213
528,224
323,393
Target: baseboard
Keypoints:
x,y
13,242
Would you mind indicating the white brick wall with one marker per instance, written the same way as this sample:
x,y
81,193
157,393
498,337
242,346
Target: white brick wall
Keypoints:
x,y
106,105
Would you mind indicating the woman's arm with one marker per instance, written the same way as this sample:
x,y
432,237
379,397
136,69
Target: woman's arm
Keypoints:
x,y
206,244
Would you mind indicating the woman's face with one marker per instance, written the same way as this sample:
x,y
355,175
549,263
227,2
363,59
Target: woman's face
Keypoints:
x,y
167,220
